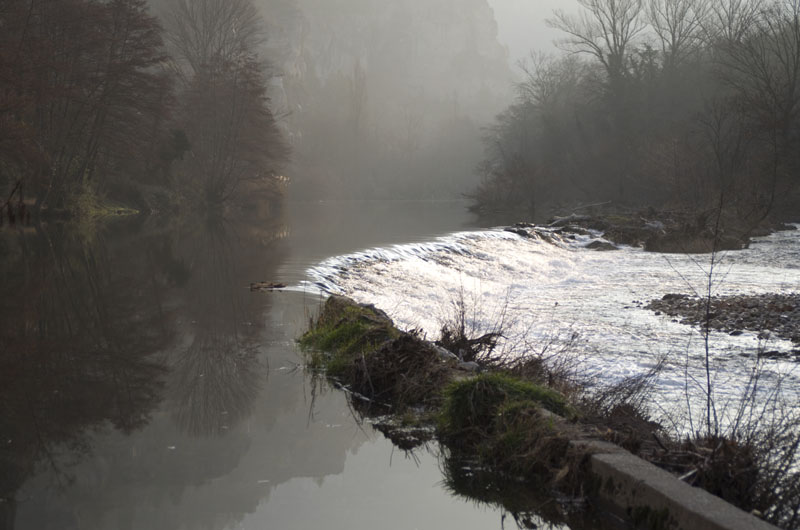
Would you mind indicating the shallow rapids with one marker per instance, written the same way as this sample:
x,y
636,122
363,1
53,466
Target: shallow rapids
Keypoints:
x,y
546,293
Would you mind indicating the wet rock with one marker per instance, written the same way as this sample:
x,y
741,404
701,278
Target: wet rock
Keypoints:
x,y
445,354
673,296
601,245
470,366
767,315
517,230
684,232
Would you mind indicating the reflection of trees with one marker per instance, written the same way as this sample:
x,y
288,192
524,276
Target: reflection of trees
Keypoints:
x,y
527,506
215,382
77,332
216,378
88,328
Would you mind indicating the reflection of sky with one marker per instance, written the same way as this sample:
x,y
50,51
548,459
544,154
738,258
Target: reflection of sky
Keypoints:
x,y
279,459
521,24
323,229
293,464
371,497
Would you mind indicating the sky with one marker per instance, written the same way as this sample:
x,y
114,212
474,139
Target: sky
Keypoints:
x,y
522,26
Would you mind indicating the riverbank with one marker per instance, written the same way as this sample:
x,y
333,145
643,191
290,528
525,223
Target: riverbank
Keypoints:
x,y
676,231
507,418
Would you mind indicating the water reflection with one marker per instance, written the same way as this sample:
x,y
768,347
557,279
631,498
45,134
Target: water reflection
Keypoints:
x,y
526,506
523,504
142,385
80,323
96,330
216,377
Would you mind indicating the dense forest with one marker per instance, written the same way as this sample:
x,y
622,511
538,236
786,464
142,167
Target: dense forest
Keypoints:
x,y
103,103
663,103
177,104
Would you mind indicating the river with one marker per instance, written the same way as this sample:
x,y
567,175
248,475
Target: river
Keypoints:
x,y
585,308
144,386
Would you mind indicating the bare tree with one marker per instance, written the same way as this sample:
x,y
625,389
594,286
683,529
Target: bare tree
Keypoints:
x,y
80,86
678,27
604,29
763,70
208,33
224,107
232,132
547,80
728,21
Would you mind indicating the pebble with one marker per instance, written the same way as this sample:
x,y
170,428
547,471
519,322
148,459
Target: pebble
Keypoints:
x,y
767,314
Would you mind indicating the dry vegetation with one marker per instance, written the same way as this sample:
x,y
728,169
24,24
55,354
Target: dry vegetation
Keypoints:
x,y
501,420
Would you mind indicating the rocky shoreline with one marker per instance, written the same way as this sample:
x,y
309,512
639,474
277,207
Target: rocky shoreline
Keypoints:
x,y
661,231
769,315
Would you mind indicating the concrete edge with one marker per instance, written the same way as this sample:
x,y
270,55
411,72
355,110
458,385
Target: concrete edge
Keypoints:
x,y
651,498
647,496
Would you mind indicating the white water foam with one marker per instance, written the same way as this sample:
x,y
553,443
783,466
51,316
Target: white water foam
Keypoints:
x,y
546,291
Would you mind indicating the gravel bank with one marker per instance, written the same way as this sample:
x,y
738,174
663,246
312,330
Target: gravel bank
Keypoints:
x,y
776,315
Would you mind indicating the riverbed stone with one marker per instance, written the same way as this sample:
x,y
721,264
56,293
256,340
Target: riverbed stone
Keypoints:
x,y
767,315
601,245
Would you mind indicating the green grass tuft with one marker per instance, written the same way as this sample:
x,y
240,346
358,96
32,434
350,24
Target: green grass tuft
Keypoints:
x,y
499,420
343,333
476,402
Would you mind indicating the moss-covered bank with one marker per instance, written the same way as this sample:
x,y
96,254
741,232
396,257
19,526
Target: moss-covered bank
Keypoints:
x,y
491,420
499,430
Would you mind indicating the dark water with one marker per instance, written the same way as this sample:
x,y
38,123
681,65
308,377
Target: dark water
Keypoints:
x,y
143,386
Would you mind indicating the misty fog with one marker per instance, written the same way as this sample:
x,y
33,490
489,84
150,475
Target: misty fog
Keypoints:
x,y
592,203
522,25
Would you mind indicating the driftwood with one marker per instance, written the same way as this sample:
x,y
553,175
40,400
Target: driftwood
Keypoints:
x,y
266,286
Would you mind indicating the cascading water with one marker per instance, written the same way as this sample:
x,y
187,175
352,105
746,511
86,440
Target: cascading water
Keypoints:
x,y
547,289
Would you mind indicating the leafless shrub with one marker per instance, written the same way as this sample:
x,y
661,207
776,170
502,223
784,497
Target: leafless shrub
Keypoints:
x,y
485,336
463,333
634,392
744,450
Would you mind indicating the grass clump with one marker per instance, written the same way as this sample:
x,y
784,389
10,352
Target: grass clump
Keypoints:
x,y
343,333
360,346
498,420
404,371
474,403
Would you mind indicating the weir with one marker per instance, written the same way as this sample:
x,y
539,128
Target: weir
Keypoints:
x,y
548,291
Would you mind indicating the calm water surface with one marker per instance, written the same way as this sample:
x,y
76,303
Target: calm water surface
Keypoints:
x,y
143,386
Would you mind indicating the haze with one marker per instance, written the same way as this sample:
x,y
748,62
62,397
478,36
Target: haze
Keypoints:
x,y
183,182
521,24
